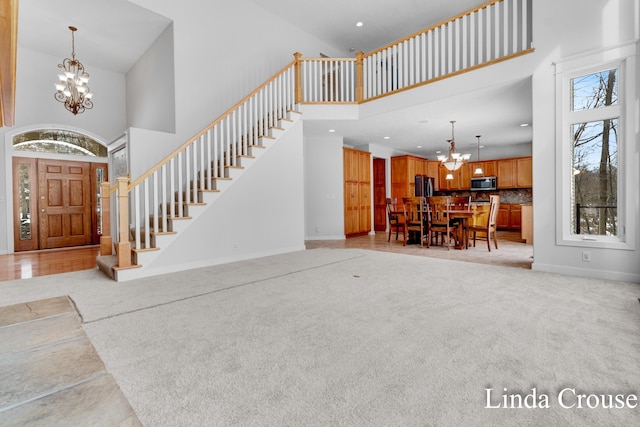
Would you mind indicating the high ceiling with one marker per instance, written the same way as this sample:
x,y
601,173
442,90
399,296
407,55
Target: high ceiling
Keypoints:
x,y
113,34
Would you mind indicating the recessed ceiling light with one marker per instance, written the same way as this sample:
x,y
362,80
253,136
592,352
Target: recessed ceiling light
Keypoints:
x,y
418,146
387,137
359,24
524,125
438,152
332,130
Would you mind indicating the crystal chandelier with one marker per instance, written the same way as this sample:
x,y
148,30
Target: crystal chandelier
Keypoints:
x,y
72,89
454,160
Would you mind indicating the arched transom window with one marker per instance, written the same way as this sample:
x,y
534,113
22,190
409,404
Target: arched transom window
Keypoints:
x,y
58,141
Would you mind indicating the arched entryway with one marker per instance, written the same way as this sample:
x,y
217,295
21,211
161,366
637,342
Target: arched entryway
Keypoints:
x,y
56,175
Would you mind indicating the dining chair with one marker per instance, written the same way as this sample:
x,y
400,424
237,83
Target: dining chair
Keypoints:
x,y
461,203
488,229
415,217
395,216
439,207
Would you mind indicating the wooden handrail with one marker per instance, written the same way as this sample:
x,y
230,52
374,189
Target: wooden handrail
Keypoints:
x,y
322,59
431,27
175,152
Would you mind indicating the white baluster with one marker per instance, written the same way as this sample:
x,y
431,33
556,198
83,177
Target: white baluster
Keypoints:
x,y
496,30
163,178
215,159
172,190
154,202
136,215
525,25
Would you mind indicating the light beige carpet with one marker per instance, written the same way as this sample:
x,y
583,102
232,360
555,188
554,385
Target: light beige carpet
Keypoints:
x,y
354,337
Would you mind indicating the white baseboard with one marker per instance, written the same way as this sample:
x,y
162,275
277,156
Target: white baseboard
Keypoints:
x,y
589,273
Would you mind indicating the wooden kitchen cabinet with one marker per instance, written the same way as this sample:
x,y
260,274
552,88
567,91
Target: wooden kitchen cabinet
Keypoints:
x,y
527,224
357,192
489,168
509,217
506,173
523,173
460,181
433,170
403,173
514,173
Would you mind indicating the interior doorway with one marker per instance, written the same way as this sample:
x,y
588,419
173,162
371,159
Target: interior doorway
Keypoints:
x,y
379,195
56,203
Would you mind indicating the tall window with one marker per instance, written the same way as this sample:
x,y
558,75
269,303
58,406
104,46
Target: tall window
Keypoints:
x,y
596,195
594,169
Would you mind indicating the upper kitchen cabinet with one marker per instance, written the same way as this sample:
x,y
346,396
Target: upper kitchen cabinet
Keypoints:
x,y
460,181
403,172
489,168
514,173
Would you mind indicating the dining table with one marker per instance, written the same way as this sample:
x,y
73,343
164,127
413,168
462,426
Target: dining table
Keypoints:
x,y
463,215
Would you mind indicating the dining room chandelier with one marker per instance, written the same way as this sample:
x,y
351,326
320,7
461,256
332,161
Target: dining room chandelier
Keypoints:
x,y
454,160
72,88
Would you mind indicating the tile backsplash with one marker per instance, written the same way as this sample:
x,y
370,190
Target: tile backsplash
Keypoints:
x,y
513,196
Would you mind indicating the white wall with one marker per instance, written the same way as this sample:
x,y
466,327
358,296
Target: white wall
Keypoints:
x,y
36,106
323,188
562,30
151,101
261,214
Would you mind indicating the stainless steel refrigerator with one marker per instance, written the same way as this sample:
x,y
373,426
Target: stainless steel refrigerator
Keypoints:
x,y
424,186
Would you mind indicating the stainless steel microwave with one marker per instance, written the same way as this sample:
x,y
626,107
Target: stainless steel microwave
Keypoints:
x,y
484,183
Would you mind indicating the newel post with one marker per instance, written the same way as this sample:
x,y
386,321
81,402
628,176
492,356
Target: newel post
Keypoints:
x,y
106,241
359,77
298,78
123,246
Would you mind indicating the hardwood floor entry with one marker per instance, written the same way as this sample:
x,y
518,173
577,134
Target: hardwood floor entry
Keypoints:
x,y
42,263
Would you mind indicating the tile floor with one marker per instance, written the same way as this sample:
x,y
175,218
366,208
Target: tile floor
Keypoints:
x,y
50,373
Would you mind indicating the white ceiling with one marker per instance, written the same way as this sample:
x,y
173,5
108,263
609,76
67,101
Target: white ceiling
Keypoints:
x,y
113,34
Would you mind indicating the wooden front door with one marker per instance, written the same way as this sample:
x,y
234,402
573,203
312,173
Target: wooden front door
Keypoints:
x,y
56,203
64,203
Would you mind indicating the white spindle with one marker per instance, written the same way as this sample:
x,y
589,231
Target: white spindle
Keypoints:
x,y
525,25
136,216
450,28
155,202
396,71
488,36
146,218
187,174
163,192
172,190
465,41
179,210
215,159
193,179
496,29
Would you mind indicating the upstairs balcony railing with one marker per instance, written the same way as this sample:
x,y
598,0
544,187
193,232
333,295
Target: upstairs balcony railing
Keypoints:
x,y
492,32
495,31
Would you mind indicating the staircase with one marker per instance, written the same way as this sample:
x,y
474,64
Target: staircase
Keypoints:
x,y
148,240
